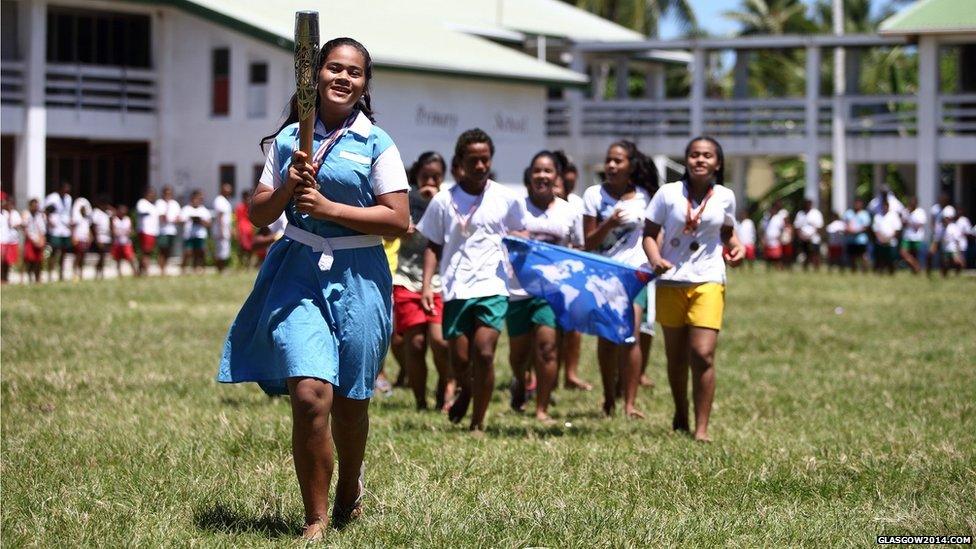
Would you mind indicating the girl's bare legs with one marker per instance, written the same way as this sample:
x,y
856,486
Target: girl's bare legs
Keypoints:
x,y
606,355
460,353
676,349
702,342
646,341
442,362
629,356
570,351
350,427
414,350
483,379
546,366
311,443
519,357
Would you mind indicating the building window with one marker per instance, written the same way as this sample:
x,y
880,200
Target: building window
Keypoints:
x,y
257,90
98,37
228,174
221,82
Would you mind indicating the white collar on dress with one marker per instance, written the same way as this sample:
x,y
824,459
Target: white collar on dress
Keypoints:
x,y
361,125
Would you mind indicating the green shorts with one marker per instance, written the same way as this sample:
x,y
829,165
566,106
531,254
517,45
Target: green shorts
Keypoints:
x,y
193,243
525,314
165,241
641,299
461,316
60,243
912,246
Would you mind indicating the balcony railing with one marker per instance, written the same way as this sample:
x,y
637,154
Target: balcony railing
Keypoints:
x,y
100,88
865,116
11,82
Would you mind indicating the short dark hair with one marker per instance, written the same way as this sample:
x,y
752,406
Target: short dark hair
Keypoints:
x,y
470,137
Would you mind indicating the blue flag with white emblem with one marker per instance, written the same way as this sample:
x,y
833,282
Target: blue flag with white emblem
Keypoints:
x,y
589,293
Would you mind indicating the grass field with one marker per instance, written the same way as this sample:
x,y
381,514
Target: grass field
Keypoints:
x,y
830,429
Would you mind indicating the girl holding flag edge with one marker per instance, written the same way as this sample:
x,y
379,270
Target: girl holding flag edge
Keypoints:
x,y
317,323
697,217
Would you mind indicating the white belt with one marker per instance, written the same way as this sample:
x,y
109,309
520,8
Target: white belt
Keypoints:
x,y
328,245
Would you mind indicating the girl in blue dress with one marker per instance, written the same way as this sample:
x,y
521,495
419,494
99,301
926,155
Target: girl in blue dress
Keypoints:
x,y
317,323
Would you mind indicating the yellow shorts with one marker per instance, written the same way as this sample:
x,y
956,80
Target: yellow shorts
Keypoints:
x,y
698,305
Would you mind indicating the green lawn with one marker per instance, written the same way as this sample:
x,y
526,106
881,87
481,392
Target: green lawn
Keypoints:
x,y
830,429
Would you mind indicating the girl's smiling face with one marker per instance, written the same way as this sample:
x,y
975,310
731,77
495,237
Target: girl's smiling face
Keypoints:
x,y
544,177
617,166
342,78
702,160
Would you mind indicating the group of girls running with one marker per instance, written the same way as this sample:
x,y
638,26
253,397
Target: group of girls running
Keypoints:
x,y
317,323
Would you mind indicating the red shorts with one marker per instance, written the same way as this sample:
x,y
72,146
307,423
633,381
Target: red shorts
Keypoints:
x,y
245,235
750,252
147,242
9,253
33,253
788,250
835,252
773,252
81,248
123,251
409,313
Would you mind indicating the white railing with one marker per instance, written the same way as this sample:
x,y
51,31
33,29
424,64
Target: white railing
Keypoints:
x,y
957,114
100,88
754,117
557,118
12,82
876,115
636,118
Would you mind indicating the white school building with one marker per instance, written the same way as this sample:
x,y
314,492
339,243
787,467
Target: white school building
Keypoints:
x,y
114,95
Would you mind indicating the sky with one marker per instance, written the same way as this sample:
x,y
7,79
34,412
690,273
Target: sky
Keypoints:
x,y
709,14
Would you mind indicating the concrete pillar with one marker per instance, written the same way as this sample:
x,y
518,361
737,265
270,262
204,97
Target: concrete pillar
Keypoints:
x,y
540,47
698,93
622,77
161,154
878,173
740,167
31,146
811,187
927,162
574,102
839,187
655,88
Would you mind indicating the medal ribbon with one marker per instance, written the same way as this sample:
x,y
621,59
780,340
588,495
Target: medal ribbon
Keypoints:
x,y
463,220
693,217
331,139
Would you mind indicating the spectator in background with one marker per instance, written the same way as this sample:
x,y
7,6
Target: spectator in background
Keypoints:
x,y
886,226
10,226
966,234
245,229
913,234
35,231
196,221
57,206
122,239
836,239
885,196
147,225
101,222
169,218
935,247
773,235
747,236
808,223
222,227
952,237
262,241
858,222
81,236
787,239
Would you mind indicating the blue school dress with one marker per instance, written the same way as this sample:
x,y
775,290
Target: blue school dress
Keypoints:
x,y
301,320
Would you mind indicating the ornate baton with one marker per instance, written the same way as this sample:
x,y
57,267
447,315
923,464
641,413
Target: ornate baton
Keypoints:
x,y
306,51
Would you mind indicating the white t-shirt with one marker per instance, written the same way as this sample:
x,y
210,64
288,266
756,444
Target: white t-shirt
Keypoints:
x,y
773,231
886,227
474,262
668,209
914,223
169,210
935,212
10,221
951,237
965,229
836,232
148,217
194,229
81,230
746,230
808,225
121,230
35,226
559,224
102,224
225,213
576,202
60,220
894,205
625,242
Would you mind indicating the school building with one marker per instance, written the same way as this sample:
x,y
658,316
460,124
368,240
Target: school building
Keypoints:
x,y
114,95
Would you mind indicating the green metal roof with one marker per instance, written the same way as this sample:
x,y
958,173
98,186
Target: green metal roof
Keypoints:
x,y
933,17
414,36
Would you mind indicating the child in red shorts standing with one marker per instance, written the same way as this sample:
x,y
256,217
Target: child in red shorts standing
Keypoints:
x,y
122,239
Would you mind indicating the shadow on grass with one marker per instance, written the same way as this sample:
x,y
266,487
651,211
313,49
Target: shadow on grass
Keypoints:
x,y
221,518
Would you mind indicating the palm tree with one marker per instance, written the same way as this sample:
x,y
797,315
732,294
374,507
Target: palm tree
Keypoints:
x,y
643,16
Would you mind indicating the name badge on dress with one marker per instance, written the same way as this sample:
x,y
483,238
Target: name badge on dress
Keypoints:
x,y
349,155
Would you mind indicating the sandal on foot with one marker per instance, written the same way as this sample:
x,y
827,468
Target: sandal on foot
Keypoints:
x,y
341,517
